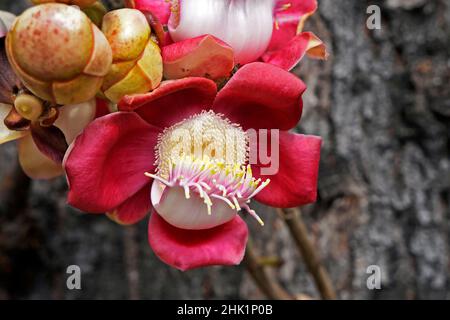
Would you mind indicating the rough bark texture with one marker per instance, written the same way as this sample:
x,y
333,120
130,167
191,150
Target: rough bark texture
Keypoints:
x,y
381,103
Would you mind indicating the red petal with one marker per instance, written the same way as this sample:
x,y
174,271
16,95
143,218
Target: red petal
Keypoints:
x,y
158,28
295,184
134,209
204,56
262,96
102,108
290,55
105,165
189,249
173,101
289,45
290,17
160,8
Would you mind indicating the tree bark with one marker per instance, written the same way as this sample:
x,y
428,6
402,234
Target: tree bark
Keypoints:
x,y
382,105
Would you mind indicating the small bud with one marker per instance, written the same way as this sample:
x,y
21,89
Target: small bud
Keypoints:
x,y
137,62
58,53
79,3
28,106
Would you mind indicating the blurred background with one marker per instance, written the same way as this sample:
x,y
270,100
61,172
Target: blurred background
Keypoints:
x,y
382,105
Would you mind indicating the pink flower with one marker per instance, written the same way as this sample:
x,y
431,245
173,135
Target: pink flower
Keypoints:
x,y
225,32
127,163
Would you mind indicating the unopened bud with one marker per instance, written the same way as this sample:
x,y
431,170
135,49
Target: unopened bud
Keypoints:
x,y
58,53
29,106
137,61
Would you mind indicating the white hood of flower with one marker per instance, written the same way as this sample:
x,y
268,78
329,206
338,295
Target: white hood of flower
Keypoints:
x,y
245,25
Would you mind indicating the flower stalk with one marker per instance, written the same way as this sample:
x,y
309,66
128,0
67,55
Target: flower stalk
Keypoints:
x,y
299,232
267,284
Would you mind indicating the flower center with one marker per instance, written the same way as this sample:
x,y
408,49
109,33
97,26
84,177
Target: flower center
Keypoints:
x,y
205,135
201,165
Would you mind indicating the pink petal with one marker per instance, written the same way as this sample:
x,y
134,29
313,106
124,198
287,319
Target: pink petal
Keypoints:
x,y
289,45
173,101
134,209
102,108
105,165
160,8
189,249
204,56
260,95
158,29
295,184
290,17
289,56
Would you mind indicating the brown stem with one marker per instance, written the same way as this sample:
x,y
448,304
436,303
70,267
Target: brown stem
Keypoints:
x,y
298,230
269,286
132,262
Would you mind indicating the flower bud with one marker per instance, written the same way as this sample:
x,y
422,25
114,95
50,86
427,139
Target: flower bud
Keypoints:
x,y
58,53
28,106
79,3
137,62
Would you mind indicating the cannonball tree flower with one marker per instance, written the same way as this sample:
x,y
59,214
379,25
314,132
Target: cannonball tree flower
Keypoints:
x,y
232,31
144,158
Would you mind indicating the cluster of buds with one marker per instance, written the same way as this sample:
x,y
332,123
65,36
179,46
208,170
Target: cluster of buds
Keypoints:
x,y
62,57
57,59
